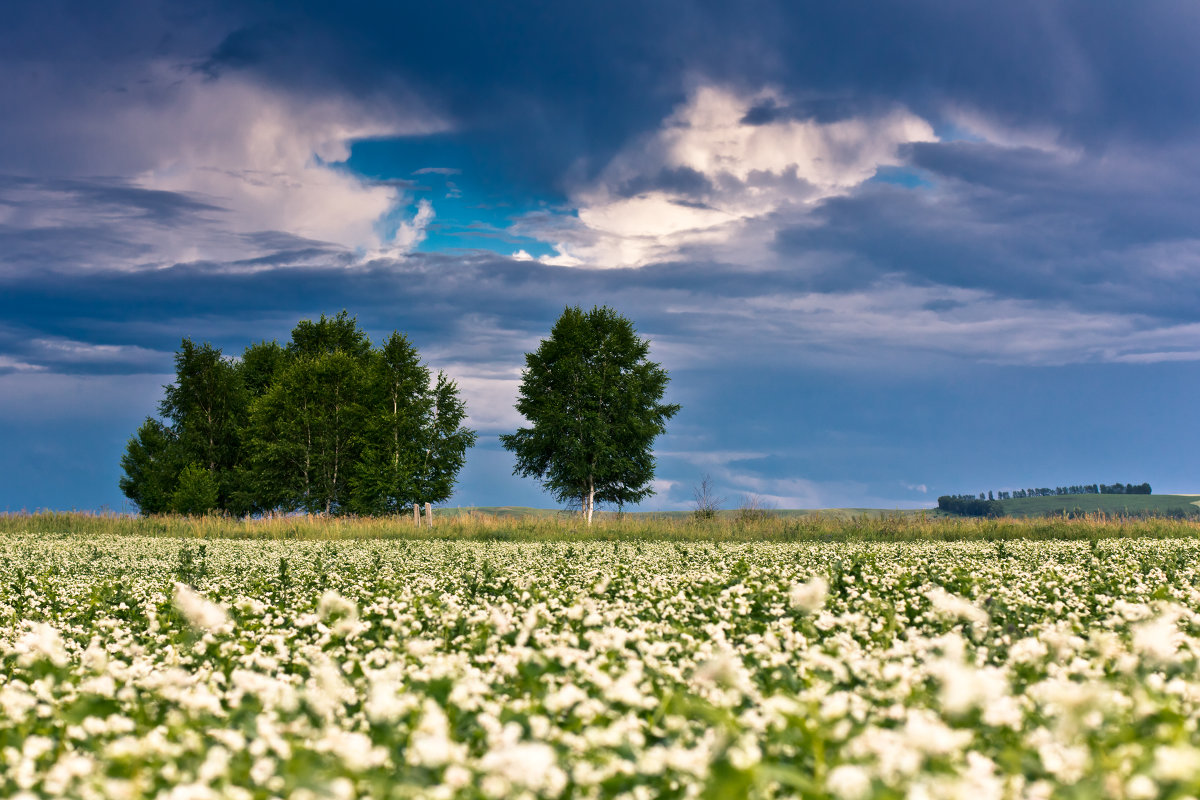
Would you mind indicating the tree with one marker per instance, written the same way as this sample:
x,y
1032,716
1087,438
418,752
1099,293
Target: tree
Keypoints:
x,y
446,442
207,406
707,502
416,443
305,433
593,402
204,412
151,467
328,335
195,492
259,365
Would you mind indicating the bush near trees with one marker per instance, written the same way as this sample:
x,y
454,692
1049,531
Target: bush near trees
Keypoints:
x,y
326,424
970,506
593,401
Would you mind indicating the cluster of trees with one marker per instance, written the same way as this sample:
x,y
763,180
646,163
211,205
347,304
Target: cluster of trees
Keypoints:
x,y
968,505
325,424
1090,488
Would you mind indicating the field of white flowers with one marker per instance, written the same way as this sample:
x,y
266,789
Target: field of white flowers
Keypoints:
x,y
138,667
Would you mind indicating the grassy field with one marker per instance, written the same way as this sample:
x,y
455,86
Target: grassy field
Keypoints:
x,y
1114,504
476,525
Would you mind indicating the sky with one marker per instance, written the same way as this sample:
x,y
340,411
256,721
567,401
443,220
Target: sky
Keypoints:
x,y
886,250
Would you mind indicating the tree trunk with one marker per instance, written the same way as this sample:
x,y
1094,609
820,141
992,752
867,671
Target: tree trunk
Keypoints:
x,y
590,501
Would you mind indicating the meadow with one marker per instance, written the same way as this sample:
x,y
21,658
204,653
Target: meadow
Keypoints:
x,y
216,659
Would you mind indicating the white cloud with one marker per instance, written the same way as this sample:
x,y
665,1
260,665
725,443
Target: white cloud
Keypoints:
x,y
8,363
265,157
73,352
978,125
268,161
732,172
490,401
409,233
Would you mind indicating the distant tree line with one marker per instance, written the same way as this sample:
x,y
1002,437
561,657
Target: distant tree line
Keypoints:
x,y
326,424
1090,488
987,504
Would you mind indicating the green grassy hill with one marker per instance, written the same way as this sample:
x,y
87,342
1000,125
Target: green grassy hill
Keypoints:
x,y
1092,503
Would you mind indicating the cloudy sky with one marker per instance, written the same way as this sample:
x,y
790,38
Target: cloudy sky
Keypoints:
x,y
886,250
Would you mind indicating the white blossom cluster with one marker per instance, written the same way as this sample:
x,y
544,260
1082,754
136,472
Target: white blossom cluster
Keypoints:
x,y
133,667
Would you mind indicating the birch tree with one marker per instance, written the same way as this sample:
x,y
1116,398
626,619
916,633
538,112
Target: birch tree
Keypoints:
x,y
594,404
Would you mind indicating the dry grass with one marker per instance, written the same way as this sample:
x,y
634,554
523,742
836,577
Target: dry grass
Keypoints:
x,y
471,525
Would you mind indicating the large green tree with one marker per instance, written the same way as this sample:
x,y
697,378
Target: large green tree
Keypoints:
x,y
416,442
203,413
206,407
304,433
594,404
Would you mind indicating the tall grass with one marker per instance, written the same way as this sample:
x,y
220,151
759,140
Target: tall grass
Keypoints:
x,y
478,526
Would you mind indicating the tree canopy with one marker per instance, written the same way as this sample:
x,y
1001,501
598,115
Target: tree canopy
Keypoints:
x,y
593,401
325,424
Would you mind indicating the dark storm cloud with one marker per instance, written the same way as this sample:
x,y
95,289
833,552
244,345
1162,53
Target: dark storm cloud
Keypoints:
x,y
1114,232
559,87
576,81
101,195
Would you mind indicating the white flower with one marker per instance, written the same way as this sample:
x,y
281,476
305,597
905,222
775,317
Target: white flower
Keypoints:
x,y
952,606
41,641
809,597
430,744
849,782
1141,787
200,612
1176,763
1159,639
1027,651
343,613
533,765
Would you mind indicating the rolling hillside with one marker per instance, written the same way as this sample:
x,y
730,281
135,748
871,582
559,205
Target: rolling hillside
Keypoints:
x,y
1108,503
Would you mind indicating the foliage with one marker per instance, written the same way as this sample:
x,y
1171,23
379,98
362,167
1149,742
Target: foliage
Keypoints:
x,y
142,667
150,467
196,492
593,401
968,506
326,424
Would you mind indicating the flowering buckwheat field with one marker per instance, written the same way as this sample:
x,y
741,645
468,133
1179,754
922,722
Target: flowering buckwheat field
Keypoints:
x,y
157,667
